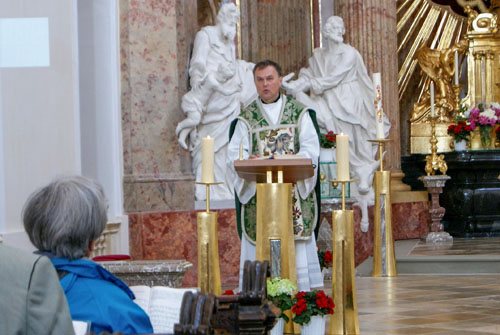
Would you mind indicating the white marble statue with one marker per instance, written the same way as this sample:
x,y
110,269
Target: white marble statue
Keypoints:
x,y
220,85
343,96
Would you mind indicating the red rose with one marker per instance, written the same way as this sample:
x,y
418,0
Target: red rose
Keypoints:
x,y
468,129
328,257
450,128
299,307
300,295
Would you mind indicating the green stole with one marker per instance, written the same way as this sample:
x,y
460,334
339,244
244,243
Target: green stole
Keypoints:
x,y
283,138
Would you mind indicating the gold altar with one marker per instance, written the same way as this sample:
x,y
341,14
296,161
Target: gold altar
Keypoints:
x,y
480,45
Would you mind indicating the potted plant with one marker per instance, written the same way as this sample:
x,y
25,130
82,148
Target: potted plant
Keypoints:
x,y
280,293
325,259
309,309
482,118
460,133
326,143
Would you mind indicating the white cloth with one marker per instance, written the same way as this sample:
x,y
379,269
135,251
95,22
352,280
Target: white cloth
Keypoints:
x,y
306,256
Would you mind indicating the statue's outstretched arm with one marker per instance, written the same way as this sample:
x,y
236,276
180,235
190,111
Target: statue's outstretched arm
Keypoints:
x,y
295,86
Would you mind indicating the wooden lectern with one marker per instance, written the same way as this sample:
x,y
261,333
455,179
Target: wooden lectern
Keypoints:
x,y
274,231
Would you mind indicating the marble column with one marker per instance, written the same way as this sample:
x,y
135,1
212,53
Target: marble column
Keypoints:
x,y
155,43
371,29
285,38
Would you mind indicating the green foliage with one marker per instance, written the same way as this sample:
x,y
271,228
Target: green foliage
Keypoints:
x,y
328,140
280,292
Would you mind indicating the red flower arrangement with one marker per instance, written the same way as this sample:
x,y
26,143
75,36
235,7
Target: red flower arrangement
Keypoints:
x,y
460,131
328,140
325,259
308,304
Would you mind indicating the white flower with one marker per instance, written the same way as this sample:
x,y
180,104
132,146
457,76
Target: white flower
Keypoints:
x,y
495,105
467,113
489,113
277,286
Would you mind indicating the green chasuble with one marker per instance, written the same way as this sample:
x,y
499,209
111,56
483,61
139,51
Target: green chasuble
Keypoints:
x,y
279,139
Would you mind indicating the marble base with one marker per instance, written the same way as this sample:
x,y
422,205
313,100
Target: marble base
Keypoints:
x,y
173,235
149,273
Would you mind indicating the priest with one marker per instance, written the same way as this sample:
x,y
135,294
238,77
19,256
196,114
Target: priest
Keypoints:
x,y
275,124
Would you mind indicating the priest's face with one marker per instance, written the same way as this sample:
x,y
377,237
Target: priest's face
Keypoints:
x,y
268,83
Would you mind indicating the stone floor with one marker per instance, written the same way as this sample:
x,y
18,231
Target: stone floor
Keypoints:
x,y
429,304
432,303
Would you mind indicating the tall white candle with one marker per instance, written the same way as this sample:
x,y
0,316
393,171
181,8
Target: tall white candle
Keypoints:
x,y
207,159
456,68
483,80
342,157
379,112
432,98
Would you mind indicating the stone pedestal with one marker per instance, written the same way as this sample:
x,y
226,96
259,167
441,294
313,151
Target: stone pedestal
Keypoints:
x,y
435,186
149,273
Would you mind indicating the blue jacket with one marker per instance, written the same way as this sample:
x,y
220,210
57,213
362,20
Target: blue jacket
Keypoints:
x,y
97,296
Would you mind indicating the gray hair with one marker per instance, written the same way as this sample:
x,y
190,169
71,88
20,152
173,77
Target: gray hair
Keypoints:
x,y
65,216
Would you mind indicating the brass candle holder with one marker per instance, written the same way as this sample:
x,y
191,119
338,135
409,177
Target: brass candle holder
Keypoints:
x,y
345,319
208,248
384,261
434,161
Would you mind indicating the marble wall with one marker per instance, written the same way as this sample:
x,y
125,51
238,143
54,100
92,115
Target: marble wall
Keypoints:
x,y
155,41
172,235
284,38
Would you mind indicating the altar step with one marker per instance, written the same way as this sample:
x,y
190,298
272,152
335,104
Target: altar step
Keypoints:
x,y
464,256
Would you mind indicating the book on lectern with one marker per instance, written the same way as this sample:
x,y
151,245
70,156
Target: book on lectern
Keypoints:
x,y
162,304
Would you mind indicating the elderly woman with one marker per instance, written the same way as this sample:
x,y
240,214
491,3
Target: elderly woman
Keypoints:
x,y
63,219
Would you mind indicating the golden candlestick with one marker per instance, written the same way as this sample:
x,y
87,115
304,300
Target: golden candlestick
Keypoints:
x,y
384,261
345,319
434,161
208,248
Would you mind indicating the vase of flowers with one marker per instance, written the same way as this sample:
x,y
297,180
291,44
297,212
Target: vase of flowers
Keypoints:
x,y
483,119
310,308
461,134
326,143
325,261
280,292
